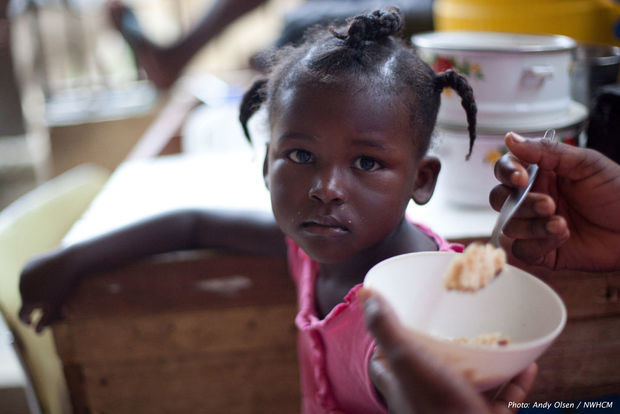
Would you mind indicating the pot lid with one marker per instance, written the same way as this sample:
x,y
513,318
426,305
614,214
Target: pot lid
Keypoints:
x,y
493,42
597,54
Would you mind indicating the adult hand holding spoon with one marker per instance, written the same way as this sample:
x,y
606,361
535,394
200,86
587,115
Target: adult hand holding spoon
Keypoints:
x,y
571,217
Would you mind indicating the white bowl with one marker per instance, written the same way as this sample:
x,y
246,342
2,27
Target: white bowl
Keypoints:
x,y
516,304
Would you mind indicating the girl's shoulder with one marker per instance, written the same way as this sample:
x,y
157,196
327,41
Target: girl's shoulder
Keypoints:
x,y
442,244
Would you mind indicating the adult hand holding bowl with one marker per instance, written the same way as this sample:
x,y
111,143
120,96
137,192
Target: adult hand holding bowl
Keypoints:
x,y
515,304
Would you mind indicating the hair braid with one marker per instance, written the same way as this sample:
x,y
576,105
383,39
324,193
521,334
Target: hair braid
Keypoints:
x,y
374,26
457,82
250,103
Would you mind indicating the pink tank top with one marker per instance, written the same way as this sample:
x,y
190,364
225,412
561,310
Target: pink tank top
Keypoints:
x,y
334,352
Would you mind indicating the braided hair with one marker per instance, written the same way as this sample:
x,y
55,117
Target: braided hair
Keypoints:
x,y
367,48
457,82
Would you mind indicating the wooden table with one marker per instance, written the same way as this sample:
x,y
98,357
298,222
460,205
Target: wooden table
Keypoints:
x,y
210,332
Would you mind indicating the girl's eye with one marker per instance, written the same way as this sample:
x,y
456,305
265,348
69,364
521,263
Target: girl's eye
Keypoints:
x,y
300,156
367,164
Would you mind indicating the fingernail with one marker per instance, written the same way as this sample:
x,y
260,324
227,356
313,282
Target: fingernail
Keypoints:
x,y
554,226
370,306
517,138
542,208
379,353
515,177
363,294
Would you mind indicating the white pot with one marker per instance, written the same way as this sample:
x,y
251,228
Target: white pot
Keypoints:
x,y
516,78
468,183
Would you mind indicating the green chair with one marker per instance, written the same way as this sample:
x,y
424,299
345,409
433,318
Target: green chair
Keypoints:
x,y
33,224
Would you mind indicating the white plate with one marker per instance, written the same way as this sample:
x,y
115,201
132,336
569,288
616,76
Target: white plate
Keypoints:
x,y
574,115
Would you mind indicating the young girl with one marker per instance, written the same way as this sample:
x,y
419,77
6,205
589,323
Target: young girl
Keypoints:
x,y
351,113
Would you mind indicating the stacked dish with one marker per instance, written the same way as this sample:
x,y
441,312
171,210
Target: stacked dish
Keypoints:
x,y
521,83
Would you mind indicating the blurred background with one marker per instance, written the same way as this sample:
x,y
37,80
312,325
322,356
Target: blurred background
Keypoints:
x,y
71,91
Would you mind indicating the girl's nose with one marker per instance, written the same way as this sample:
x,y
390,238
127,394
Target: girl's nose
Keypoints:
x,y
328,187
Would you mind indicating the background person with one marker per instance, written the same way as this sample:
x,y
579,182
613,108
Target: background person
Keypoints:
x,y
164,63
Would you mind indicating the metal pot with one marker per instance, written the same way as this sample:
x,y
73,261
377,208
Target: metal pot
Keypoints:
x,y
517,79
595,65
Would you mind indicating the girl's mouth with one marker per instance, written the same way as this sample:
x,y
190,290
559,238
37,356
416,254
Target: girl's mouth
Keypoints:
x,y
327,226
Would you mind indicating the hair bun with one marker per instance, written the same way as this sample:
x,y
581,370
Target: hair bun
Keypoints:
x,y
374,26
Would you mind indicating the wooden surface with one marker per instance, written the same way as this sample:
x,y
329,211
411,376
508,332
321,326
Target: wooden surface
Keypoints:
x,y
181,334
164,134
583,362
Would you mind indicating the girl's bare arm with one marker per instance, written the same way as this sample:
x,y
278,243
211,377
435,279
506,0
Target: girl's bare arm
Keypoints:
x,y
47,279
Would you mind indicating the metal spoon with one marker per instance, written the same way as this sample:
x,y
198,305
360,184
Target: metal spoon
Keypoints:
x,y
517,196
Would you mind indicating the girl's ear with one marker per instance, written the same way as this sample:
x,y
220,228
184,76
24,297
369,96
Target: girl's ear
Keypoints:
x,y
266,168
428,171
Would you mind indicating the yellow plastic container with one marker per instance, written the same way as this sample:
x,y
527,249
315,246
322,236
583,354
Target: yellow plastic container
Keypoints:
x,y
592,21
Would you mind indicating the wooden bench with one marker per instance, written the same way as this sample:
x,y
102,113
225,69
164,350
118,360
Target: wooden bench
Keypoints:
x,y
185,333
582,362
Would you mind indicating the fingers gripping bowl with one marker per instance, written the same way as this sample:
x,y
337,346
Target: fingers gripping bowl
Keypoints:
x,y
516,304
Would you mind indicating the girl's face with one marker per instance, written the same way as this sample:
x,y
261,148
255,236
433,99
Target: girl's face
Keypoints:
x,y
341,168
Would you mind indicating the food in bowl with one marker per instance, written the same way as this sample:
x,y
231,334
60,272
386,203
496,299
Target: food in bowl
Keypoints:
x,y
475,268
487,339
518,305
